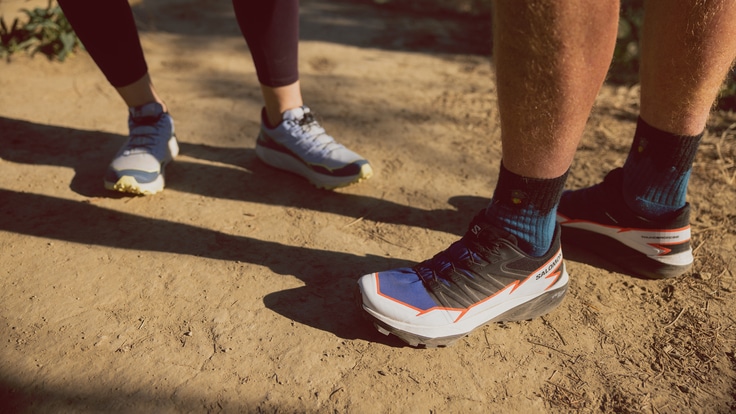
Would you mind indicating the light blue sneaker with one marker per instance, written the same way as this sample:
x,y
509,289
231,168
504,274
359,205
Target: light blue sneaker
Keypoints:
x,y
138,167
300,145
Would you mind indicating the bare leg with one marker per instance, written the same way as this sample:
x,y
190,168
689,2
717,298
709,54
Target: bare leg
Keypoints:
x,y
279,99
686,50
140,92
687,47
551,58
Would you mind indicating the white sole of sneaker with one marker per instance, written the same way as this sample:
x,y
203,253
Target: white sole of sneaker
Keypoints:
x,y
286,162
129,185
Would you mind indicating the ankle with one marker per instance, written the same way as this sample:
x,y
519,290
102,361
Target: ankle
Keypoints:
x,y
657,170
526,207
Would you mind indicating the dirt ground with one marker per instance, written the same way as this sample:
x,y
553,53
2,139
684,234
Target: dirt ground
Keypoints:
x,y
231,291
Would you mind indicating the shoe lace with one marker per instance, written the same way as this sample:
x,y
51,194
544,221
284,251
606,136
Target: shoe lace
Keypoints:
x,y
316,135
455,262
143,134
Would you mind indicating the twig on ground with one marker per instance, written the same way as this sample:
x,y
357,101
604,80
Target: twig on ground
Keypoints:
x,y
676,318
552,348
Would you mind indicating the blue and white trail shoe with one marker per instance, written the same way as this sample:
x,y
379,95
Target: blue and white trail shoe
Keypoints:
x,y
483,277
138,167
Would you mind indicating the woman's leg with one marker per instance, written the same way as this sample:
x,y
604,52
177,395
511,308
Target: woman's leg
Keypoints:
x,y
107,30
271,29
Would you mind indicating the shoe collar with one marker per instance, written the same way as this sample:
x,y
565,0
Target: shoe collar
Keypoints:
x,y
150,110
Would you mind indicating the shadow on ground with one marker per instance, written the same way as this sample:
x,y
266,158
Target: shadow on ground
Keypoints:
x,y
89,152
361,23
24,398
85,223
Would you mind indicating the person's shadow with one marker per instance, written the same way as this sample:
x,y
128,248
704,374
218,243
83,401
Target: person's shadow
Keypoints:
x,y
325,302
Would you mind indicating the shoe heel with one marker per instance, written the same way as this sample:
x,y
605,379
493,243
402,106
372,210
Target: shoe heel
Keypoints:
x,y
627,260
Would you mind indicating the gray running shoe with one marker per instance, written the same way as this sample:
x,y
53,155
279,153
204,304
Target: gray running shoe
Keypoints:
x,y
300,145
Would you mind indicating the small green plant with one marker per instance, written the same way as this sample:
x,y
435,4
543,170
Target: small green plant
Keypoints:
x,y
727,98
46,31
625,65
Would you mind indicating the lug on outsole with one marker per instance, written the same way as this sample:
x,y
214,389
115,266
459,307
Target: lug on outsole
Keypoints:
x,y
129,185
411,340
366,172
416,341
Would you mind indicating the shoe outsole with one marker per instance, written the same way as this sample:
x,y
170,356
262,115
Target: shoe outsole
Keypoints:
x,y
596,220
129,185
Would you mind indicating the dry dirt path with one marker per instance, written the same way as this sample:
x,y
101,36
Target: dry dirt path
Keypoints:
x,y
232,290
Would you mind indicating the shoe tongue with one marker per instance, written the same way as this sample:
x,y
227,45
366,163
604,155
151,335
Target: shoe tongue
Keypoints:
x,y
149,110
294,114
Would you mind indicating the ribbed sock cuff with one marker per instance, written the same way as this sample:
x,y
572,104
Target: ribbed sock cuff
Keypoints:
x,y
531,194
666,151
657,170
525,207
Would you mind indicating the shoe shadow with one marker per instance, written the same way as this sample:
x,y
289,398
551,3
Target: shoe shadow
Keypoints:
x,y
317,305
238,175
253,181
328,287
35,144
232,173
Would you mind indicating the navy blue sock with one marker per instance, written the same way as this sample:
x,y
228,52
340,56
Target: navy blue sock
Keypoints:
x,y
657,170
526,207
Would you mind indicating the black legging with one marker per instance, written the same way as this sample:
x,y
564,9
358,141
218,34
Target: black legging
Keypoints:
x,y
107,30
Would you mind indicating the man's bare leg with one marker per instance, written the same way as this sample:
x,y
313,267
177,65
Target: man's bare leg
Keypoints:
x,y
551,58
687,49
